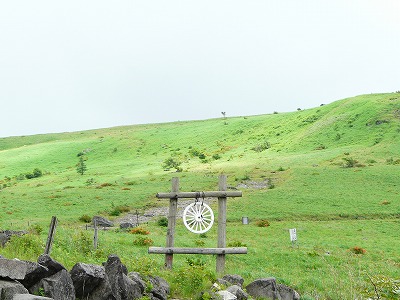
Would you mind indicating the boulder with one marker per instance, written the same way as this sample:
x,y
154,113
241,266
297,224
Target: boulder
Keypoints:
x,y
160,288
287,293
10,288
5,235
52,265
226,295
238,292
58,286
121,285
26,272
102,292
102,222
29,297
126,225
264,288
223,283
136,277
86,278
234,279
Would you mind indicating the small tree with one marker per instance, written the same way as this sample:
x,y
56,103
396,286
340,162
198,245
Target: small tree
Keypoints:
x,y
81,165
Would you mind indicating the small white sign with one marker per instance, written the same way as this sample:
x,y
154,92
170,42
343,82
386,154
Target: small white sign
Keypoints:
x,y
293,234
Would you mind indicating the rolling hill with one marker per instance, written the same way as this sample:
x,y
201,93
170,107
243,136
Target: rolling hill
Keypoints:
x,y
335,166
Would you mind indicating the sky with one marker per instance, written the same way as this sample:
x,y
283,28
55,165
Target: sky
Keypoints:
x,y
86,64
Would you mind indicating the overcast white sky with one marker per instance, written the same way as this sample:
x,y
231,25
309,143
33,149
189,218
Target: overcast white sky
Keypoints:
x,y
75,65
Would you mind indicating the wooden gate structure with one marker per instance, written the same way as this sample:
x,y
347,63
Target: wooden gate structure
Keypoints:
x,y
221,249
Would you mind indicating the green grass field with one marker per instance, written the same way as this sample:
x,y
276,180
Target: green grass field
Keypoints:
x,y
332,172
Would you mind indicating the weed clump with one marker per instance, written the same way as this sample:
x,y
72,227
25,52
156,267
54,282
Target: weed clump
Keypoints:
x,y
162,222
236,244
143,241
85,219
261,147
117,210
262,223
358,250
139,230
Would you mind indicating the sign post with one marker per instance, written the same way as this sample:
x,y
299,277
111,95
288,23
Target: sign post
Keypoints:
x,y
293,236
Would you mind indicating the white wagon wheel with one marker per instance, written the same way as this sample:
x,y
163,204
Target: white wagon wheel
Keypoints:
x,y
198,217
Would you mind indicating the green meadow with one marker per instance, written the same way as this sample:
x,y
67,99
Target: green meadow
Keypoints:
x,y
331,172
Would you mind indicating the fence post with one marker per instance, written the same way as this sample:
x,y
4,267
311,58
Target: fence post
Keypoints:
x,y
50,236
95,237
173,207
220,265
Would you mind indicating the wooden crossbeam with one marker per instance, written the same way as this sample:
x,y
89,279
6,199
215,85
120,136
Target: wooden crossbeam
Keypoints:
x,y
210,251
199,195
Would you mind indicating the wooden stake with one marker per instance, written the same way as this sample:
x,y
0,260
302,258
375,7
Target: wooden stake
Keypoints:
x,y
50,237
95,237
173,207
220,265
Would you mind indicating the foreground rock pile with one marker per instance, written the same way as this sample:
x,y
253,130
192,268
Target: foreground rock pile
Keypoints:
x,y
24,280
48,279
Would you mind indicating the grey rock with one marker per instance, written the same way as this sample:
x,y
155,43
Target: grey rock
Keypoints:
x,y
3,239
58,286
126,225
136,277
29,297
160,288
52,265
102,292
263,288
102,222
10,288
287,293
122,287
227,295
223,282
24,271
86,278
238,292
234,279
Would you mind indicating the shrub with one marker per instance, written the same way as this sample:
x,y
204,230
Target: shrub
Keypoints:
x,y
349,162
27,243
192,279
35,174
172,163
358,250
85,219
261,147
139,230
35,229
143,241
162,222
262,223
216,156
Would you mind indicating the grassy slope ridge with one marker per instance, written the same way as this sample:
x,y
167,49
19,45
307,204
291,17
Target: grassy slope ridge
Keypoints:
x,y
307,144
304,161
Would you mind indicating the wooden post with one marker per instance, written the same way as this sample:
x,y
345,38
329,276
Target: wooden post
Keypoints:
x,y
220,265
95,237
173,207
50,237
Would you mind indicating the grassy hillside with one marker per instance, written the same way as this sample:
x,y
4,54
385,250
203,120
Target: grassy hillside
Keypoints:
x,y
331,171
